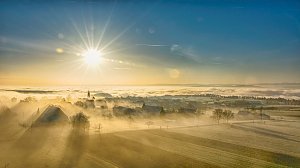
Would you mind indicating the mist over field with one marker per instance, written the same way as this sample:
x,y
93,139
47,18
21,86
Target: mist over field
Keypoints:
x,y
289,91
150,126
149,84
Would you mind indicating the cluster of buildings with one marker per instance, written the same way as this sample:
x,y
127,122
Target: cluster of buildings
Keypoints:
x,y
136,106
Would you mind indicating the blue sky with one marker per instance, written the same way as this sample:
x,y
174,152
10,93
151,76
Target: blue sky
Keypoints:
x,y
150,42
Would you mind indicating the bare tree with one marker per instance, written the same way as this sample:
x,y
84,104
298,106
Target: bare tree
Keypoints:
x,y
227,115
99,128
130,120
261,113
148,123
80,121
199,113
217,114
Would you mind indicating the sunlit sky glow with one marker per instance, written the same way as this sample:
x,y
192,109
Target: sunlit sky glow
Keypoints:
x,y
149,42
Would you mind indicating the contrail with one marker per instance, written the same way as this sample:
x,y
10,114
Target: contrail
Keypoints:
x,y
153,45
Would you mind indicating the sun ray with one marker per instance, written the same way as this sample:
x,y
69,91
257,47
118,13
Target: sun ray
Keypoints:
x,y
80,34
105,26
118,36
87,34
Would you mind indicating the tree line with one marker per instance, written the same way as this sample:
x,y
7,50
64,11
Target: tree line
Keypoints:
x,y
219,114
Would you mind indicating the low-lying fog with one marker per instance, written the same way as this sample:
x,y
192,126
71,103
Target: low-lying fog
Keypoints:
x,y
289,91
109,126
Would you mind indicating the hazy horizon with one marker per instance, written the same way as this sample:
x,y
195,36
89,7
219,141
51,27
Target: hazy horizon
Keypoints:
x,y
154,84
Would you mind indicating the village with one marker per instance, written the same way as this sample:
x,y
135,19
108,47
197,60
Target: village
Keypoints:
x,y
167,107
184,105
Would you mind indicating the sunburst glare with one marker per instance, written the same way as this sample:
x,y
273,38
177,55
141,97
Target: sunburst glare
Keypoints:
x,y
92,57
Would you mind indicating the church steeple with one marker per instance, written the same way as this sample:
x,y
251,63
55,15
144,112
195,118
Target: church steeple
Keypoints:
x,y
88,94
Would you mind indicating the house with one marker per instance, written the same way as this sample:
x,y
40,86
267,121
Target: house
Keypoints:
x,y
90,103
101,103
51,115
103,95
80,104
123,111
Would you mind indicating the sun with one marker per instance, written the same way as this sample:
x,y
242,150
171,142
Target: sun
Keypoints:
x,y
92,57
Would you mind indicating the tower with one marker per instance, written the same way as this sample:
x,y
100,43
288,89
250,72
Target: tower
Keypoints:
x,y
88,94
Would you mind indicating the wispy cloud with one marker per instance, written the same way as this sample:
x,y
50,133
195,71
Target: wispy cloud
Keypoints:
x,y
153,45
187,52
217,60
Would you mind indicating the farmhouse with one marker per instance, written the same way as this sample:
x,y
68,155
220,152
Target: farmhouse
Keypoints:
x,y
52,115
122,111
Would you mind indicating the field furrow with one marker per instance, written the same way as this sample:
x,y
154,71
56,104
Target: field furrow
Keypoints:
x,y
202,153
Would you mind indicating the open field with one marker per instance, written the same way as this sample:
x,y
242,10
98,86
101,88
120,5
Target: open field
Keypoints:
x,y
273,144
